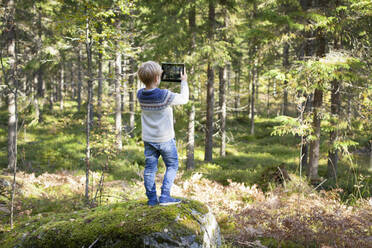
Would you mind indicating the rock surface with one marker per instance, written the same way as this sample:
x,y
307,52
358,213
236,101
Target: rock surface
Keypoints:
x,y
129,224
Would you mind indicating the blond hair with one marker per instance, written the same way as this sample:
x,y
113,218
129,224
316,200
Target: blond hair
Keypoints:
x,y
148,71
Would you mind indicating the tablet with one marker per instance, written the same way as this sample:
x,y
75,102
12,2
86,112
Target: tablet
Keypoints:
x,y
171,72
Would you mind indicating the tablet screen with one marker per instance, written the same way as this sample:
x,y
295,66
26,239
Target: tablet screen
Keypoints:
x,y
171,72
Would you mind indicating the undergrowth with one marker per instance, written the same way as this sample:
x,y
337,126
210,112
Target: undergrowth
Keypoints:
x,y
250,206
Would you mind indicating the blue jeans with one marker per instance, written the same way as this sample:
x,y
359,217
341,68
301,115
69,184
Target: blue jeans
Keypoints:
x,y
168,151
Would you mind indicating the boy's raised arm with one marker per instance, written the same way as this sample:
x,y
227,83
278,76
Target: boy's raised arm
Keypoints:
x,y
183,97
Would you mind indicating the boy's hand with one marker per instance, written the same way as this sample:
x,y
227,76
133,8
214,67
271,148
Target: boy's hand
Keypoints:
x,y
184,75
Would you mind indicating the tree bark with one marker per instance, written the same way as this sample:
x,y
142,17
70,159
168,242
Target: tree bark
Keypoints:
x,y
208,155
79,84
370,155
318,98
223,78
110,76
119,144
335,110
268,99
51,96
40,82
190,161
100,81
12,128
123,89
88,45
210,104
72,80
318,46
222,103
61,85
35,100
131,96
252,98
285,90
237,92
12,86
312,171
305,145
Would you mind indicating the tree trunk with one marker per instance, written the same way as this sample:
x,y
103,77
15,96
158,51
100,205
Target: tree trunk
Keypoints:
x,y
61,85
122,97
268,99
257,88
222,103
190,161
237,92
72,80
100,81
12,128
55,91
210,89
51,97
370,155
119,143
285,90
79,84
318,46
12,85
312,171
35,100
252,98
131,96
110,77
335,110
210,104
40,81
228,80
88,45
223,78
123,89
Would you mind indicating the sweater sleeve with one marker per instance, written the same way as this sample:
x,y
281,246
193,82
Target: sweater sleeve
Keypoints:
x,y
183,97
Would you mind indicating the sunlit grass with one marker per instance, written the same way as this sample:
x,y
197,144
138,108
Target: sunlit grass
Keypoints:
x,y
58,144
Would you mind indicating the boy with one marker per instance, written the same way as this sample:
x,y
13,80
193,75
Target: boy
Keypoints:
x,y
158,130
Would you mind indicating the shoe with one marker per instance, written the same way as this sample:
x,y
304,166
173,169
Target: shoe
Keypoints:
x,y
167,200
153,202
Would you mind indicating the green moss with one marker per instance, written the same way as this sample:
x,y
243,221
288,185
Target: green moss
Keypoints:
x,y
124,223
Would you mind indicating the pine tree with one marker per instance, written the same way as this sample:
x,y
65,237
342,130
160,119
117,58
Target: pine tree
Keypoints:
x,y
210,86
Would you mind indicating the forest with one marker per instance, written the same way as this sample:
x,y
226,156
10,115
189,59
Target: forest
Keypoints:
x,y
275,141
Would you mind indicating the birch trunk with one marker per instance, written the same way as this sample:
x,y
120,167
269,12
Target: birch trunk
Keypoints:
x,y
88,45
118,128
131,97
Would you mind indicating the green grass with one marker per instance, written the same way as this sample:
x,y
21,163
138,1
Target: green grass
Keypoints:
x,y
58,144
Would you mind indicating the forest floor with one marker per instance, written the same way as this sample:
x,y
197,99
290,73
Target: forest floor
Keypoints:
x,y
253,204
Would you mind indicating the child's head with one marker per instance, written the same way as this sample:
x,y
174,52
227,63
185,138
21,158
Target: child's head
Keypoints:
x,y
149,73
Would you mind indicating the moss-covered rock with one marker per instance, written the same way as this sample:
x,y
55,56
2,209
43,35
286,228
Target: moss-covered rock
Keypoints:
x,y
129,224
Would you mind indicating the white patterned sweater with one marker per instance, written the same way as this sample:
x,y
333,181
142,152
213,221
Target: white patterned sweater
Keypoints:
x,y
157,114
